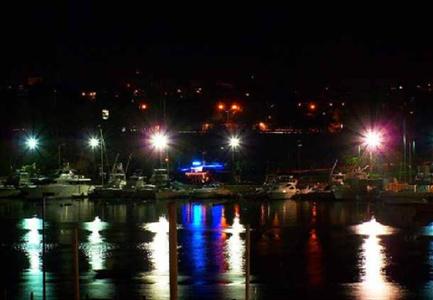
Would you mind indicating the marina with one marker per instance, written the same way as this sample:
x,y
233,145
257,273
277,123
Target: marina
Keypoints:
x,y
206,154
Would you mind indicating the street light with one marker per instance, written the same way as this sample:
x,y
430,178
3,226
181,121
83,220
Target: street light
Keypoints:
x,y
372,140
234,143
93,143
32,143
159,141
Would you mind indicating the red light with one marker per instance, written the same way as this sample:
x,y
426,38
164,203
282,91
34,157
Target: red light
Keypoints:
x,y
312,106
143,106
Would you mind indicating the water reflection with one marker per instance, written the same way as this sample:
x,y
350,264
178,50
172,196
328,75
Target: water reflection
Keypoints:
x,y
198,227
96,246
159,248
33,243
314,252
211,242
374,283
32,247
159,256
235,246
428,290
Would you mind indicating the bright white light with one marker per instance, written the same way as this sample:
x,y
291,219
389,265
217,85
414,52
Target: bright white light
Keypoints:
x,y
32,143
159,141
373,228
93,142
234,142
372,139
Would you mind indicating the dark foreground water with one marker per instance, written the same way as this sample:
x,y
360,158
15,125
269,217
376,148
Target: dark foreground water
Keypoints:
x,y
299,250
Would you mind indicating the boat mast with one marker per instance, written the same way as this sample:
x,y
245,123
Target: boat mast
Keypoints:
x,y
102,156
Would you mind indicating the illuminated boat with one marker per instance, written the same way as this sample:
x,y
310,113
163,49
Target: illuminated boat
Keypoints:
x,y
282,190
66,184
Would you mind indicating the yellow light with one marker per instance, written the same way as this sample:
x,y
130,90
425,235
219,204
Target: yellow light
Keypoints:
x,y
221,106
263,126
235,107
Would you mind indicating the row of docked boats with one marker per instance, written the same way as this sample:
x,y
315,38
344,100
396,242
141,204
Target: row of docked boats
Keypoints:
x,y
66,183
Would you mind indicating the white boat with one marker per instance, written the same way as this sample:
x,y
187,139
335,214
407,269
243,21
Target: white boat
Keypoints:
x,y
65,185
115,187
282,190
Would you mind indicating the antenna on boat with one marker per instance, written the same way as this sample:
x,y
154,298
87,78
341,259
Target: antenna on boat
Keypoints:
x,y
332,170
127,164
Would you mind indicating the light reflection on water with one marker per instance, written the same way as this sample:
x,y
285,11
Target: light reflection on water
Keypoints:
x,y
374,283
159,256
212,248
32,246
234,248
96,247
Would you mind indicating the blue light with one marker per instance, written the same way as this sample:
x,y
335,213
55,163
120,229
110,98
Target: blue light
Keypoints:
x,y
198,164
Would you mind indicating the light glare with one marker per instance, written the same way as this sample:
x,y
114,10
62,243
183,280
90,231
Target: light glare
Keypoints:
x,y
234,142
32,143
93,142
159,141
373,139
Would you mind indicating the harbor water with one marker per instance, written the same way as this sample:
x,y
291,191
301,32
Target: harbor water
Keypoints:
x,y
299,250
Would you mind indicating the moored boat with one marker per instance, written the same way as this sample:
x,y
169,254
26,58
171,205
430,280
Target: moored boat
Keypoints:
x,y
66,184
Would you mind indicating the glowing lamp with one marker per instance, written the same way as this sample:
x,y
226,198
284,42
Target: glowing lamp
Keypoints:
x,y
159,141
235,107
234,142
32,143
372,139
93,142
221,106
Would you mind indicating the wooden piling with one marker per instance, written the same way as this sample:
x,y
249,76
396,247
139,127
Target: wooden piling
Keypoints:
x,y
44,289
172,249
75,244
247,262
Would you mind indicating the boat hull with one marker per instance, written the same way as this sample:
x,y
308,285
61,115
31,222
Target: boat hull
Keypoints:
x,y
280,195
164,195
9,192
112,193
210,193
57,191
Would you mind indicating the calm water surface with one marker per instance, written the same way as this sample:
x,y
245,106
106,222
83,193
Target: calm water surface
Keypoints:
x,y
314,250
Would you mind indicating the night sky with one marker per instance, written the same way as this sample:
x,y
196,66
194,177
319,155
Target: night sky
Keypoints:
x,y
86,43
